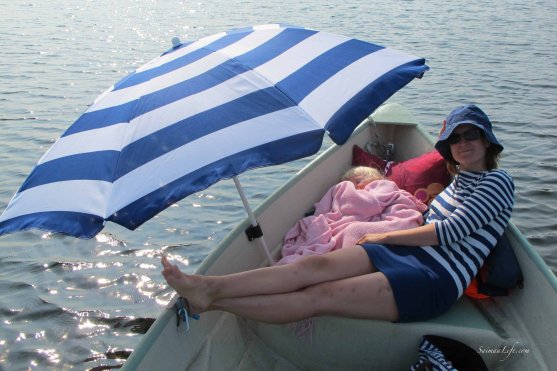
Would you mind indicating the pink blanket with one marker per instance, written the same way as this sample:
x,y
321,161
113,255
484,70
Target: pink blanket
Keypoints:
x,y
345,214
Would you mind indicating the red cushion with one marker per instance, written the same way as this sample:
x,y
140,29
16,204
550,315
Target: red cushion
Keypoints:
x,y
414,175
362,158
420,172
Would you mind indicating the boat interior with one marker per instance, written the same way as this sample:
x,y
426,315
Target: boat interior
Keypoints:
x,y
507,332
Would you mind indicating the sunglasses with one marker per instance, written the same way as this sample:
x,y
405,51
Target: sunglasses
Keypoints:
x,y
468,135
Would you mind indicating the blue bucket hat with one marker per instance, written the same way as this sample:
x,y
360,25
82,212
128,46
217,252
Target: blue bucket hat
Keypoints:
x,y
469,114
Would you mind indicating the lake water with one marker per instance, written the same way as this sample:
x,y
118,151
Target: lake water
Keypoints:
x,y
84,304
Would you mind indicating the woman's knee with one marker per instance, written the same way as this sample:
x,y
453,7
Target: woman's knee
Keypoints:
x,y
346,262
314,263
317,298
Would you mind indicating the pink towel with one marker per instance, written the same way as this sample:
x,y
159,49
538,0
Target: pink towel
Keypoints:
x,y
345,214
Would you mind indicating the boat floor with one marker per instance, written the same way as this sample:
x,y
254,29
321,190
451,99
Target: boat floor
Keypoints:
x,y
337,343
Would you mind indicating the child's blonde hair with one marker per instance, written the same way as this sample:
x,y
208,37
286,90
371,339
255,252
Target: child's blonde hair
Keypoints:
x,y
362,175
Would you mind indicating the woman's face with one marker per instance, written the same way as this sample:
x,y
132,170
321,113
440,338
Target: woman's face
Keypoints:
x,y
469,151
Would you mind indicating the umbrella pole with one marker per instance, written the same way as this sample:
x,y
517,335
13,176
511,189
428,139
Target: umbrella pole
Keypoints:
x,y
253,221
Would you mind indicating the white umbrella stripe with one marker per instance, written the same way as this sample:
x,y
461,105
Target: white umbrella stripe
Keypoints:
x,y
110,138
204,101
201,43
291,60
107,112
110,165
78,196
322,105
119,97
177,58
155,120
244,108
172,55
192,64
208,149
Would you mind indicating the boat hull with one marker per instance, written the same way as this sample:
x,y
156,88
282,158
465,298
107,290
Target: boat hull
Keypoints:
x,y
510,333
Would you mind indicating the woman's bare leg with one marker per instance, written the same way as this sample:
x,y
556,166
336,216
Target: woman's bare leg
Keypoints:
x,y
201,291
367,296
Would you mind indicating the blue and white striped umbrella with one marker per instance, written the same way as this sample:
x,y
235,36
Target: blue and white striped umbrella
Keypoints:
x,y
201,112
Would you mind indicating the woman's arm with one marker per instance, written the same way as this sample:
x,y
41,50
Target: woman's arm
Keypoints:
x,y
420,236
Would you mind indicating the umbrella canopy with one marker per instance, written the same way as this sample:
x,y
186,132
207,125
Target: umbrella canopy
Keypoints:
x,y
201,112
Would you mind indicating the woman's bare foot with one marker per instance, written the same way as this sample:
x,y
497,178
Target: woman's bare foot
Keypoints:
x,y
192,287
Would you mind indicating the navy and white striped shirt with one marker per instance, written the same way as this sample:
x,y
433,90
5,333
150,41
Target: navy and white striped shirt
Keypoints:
x,y
470,215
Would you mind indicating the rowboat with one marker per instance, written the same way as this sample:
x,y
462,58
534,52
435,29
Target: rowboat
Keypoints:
x,y
514,332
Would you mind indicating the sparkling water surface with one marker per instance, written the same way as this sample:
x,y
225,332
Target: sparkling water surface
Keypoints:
x,y
67,303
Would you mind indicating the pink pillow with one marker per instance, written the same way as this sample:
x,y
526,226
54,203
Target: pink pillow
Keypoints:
x,y
424,176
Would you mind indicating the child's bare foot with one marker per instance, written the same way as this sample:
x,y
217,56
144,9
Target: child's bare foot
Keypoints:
x,y
191,287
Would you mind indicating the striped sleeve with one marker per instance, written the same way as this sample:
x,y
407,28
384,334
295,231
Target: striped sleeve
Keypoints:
x,y
491,199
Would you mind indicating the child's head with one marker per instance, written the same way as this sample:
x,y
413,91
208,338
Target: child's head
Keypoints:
x,y
362,176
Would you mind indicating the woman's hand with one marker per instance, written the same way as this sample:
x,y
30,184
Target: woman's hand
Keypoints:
x,y
378,238
420,236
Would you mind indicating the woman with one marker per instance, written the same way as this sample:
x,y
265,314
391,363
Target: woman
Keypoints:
x,y
408,275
